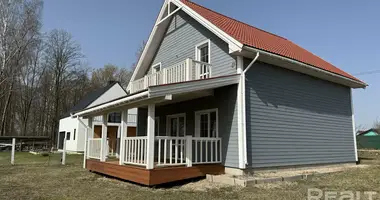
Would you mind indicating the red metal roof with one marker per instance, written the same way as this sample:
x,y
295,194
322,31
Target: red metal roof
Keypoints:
x,y
257,38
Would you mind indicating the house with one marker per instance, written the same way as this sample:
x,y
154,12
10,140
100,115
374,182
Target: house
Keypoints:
x,y
216,95
369,132
73,129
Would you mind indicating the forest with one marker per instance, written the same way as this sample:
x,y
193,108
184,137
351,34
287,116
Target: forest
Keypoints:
x,y
42,75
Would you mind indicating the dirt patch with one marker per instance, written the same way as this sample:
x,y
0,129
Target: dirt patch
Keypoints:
x,y
304,171
202,185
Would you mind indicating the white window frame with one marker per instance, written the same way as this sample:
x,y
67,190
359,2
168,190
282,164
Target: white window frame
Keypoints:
x,y
198,52
198,120
154,67
168,126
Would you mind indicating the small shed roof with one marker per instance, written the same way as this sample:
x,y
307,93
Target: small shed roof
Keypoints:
x,y
369,130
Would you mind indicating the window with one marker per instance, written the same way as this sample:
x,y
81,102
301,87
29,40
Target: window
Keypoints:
x,y
202,52
157,126
68,136
156,68
202,55
75,130
114,118
176,125
206,123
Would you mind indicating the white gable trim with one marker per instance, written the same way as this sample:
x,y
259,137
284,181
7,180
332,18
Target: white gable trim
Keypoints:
x,y
148,43
233,44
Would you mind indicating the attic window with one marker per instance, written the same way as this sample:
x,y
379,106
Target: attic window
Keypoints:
x,y
156,68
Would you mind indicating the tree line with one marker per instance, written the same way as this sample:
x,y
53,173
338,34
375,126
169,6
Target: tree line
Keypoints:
x,y
42,75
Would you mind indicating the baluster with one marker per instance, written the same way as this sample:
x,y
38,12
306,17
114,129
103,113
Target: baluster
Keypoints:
x,y
212,150
171,151
176,150
165,147
159,151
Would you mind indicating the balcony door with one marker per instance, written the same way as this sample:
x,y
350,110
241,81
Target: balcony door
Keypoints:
x,y
202,54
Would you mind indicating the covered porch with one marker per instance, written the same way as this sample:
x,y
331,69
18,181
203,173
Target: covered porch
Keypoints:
x,y
177,135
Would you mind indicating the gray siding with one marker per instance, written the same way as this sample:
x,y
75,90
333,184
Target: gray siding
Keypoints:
x,y
295,119
179,42
224,99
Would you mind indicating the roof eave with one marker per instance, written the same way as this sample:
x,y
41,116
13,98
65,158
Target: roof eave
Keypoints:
x,y
334,77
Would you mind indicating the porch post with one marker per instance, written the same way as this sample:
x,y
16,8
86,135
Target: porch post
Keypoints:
x,y
86,145
123,131
150,137
104,149
189,150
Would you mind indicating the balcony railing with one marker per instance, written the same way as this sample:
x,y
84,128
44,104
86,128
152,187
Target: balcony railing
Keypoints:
x,y
186,70
132,119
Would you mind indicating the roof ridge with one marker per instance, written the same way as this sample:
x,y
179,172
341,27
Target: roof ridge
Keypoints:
x,y
234,19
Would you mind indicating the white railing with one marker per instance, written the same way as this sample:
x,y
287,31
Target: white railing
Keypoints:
x,y
176,73
207,150
186,70
98,119
94,148
173,151
138,85
170,150
201,70
135,150
132,119
153,79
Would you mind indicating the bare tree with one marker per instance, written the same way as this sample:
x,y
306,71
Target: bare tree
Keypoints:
x,y
19,27
62,57
138,54
100,77
29,81
376,124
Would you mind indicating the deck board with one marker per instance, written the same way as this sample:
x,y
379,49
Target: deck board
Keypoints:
x,y
155,176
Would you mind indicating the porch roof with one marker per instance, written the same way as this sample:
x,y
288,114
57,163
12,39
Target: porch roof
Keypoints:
x,y
158,94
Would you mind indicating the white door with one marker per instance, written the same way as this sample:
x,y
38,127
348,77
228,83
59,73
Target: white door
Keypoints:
x,y
206,123
176,127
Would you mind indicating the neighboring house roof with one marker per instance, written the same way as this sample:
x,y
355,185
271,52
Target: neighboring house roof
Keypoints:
x,y
369,130
260,39
89,98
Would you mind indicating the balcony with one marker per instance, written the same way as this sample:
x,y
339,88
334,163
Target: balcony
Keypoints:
x,y
116,118
187,70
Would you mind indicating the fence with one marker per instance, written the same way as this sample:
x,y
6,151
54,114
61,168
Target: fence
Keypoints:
x,y
23,152
368,142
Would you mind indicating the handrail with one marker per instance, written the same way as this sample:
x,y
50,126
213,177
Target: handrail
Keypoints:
x,y
185,70
136,138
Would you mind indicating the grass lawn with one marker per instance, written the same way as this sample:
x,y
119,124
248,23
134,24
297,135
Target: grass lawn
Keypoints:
x,y
53,181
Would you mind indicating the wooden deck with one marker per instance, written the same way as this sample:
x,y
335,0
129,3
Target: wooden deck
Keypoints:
x,y
154,176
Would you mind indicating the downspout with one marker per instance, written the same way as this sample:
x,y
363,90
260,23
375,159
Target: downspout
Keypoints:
x,y
244,128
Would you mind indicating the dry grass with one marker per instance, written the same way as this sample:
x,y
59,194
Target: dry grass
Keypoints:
x,y
73,182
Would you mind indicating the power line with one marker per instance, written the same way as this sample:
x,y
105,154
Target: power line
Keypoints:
x,y
367,73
